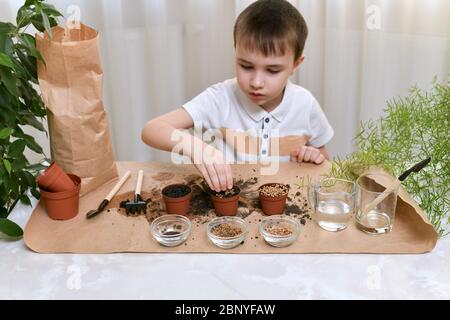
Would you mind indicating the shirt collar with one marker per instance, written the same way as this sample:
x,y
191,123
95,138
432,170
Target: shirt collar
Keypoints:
x,y
257,113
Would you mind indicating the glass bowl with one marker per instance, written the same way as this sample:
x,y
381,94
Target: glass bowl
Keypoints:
x,y
279,230
171,230
227,232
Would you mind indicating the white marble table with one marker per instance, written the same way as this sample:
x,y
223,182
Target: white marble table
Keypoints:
x,y
28,275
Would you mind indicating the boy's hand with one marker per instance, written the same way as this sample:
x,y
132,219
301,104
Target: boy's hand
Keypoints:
x,y
212,166
307,154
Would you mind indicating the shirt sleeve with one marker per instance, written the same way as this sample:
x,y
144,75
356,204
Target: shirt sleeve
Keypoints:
x,y
320,129
209,108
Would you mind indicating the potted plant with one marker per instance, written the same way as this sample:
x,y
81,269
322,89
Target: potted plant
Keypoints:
x,y
20,105
226,202
412,128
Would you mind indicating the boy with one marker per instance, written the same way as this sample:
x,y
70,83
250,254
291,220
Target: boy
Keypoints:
x,y
269,116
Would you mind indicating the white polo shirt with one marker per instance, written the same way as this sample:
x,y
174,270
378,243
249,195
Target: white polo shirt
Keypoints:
x,y
244,131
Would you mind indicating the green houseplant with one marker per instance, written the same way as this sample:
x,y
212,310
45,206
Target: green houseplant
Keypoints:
x,y
411,129
20,105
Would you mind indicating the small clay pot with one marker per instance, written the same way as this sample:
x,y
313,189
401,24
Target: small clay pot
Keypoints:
x,y
54,179
62,205
226,202
176,197
273,204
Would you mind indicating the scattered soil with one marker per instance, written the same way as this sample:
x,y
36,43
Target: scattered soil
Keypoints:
x,y
274,190
299,208
163,176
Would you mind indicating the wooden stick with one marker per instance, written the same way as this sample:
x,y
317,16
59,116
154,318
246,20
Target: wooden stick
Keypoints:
x,y
118,185
382,196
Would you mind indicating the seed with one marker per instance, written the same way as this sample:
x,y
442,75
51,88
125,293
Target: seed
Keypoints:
x,y
274,190
278,231
226,230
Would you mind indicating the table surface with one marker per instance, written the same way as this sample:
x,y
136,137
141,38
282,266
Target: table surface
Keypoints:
x,y
28,275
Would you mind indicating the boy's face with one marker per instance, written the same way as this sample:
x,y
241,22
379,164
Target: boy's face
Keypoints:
x,y
263,79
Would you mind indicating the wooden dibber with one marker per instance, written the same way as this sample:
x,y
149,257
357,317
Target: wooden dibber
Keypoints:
x,y
393,186
396,184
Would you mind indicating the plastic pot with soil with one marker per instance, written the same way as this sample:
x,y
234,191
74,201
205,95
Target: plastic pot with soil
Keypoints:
x,y
273,197
226,202
176,198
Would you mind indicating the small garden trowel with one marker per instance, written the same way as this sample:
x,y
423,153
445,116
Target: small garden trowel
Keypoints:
x,y
108,198
138,205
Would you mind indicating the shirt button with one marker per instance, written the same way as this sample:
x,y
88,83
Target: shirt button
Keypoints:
x,y
267,120
265,136
264,152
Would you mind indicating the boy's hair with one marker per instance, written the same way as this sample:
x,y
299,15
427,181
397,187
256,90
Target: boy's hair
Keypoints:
x,y
271,27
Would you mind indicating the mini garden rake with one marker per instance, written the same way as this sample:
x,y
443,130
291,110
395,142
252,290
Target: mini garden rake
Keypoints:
x,y
138,205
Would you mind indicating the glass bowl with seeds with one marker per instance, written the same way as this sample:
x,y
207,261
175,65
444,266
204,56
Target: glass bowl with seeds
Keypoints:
x,y
279,230
227,232
171,230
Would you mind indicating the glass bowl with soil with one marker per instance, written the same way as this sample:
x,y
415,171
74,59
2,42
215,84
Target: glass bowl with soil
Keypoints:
x,y
226,202
176,198
273,197
279,230
171,230
227,232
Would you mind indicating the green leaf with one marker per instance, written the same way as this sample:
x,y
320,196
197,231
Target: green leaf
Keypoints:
x,y
29,43
29,63
25,200
35,193
28,178
8,80
6,44
46,23
7,165
6,61
6,27
5,132
34,122
10,228
24,15
51,10
3,212
31,143
16,148
19,163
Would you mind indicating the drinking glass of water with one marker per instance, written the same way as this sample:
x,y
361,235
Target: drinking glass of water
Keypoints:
x,y
333,202
379,218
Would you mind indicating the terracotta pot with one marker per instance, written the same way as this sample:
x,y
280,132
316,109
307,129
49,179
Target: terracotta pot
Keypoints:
x,y
226,206
62,205
272,205
176,204
54,179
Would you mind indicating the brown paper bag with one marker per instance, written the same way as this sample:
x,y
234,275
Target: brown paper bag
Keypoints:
x,y
71,83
